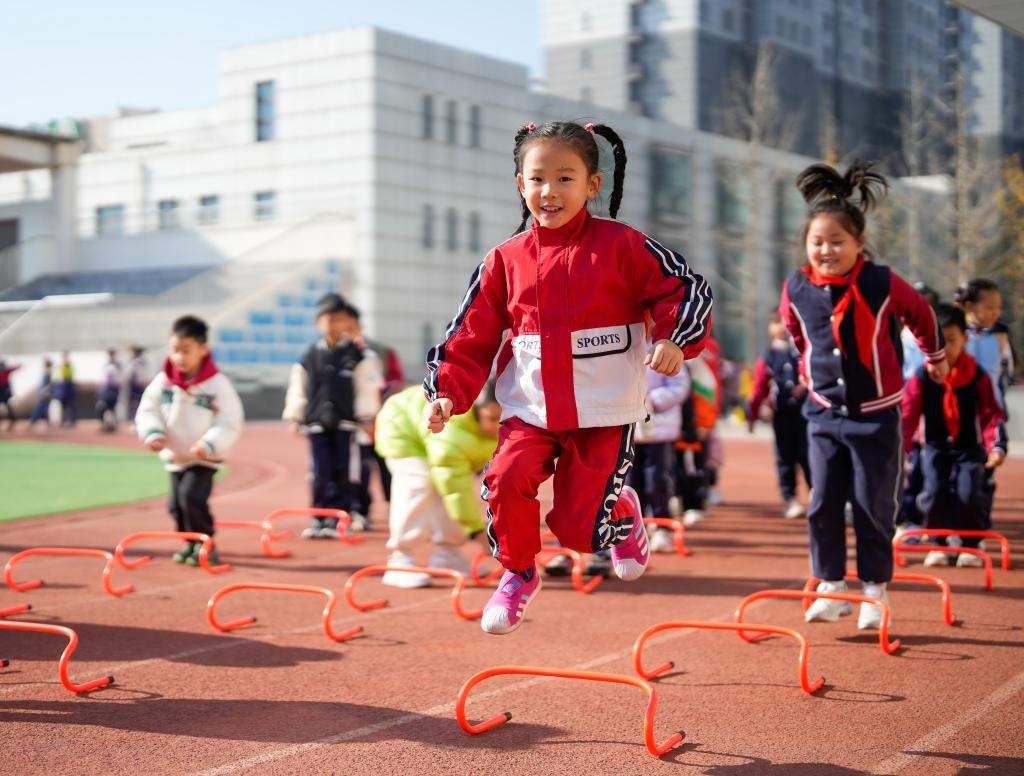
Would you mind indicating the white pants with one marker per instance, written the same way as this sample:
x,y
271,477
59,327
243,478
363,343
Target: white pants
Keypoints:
x,y
417,512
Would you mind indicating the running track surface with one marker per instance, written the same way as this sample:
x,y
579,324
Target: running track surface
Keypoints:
x,y
280,698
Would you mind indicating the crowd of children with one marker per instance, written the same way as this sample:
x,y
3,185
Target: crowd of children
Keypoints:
x,y
583,352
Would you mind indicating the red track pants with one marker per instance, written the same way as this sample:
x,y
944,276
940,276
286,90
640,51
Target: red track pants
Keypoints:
x,y
592,465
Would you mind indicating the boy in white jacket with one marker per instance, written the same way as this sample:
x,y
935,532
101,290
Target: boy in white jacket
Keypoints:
x,y
191,415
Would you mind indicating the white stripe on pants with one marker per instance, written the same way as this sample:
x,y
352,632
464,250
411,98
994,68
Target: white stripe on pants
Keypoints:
x,y
417,512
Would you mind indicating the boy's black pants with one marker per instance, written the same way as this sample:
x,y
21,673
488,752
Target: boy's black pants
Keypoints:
x,y
954,493
790,450
651,476
332,484
190,497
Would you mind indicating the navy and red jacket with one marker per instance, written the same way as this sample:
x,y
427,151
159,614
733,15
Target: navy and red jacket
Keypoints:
x,y
776,373
567,308
981,416
842,383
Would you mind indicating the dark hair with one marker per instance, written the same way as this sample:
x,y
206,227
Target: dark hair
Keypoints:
x,y
948,315
972,290
583,141
828,192
931,296
191,327
331,303
352,311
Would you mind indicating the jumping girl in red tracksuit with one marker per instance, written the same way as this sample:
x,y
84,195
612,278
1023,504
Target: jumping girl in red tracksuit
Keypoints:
x,y
573,292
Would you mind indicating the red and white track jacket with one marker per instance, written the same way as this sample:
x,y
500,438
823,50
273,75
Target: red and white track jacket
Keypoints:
x,y
573,302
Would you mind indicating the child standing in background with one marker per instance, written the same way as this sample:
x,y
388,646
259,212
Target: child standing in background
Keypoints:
x,y
5,390
573,293
67,392
699,414
44,396
190,415
652,473
961,421
777,373
110,390
333,392
844,313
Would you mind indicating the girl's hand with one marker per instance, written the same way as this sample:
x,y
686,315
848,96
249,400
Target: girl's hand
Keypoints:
x,y
156,444
199,451
438,413
938,371
666,358
995,459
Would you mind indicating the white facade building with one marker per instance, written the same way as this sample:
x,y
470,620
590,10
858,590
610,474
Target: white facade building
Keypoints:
x,y
380,164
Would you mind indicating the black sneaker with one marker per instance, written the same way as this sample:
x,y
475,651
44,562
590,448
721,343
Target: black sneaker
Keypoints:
x,y
600,565
185,553
558,566
193,560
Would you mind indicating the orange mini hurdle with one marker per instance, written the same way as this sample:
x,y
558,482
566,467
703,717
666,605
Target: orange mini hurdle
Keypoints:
x,y
325,616
943,585
189,536
1004,544
266,538
986,559
460,586
590,676
12,610
68,552
678,532
271,534
801,668
578,582
883,632
69,650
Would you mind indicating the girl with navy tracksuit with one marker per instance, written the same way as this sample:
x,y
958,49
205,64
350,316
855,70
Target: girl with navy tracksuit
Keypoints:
x,y
844,312
573,292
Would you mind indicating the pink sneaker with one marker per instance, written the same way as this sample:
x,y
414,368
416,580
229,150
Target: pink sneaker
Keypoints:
x,y
630,557
504,612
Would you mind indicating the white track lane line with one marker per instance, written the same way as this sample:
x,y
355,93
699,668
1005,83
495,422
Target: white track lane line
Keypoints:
x,y
930,741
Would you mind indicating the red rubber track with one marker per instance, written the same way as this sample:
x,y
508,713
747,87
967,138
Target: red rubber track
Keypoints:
x,y
277,697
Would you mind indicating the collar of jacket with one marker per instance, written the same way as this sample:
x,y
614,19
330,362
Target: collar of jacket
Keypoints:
x,y
568,232
207,369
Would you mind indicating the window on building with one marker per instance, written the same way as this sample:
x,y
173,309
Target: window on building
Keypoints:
x,y
635,49
452,230
427,234
671,185
452,122
209,209
586,60
704,15
727,19
265,111
790,211
807,35
636,92
732,187
735,295
110,220
475,126
264,205
428,117
167,211
475,233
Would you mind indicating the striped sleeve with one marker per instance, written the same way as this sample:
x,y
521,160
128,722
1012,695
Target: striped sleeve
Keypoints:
x,y
917,314
678,299
460,364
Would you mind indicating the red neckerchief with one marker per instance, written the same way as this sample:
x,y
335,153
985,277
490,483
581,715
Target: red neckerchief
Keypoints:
x,y
207,369
863,318
961,374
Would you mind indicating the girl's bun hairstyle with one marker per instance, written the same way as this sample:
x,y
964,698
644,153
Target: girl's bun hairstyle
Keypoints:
x,y
827,191
972,290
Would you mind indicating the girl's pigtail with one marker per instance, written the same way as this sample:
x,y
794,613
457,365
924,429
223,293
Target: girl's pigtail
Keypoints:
x,y
870,185
521,135
619,157
821,182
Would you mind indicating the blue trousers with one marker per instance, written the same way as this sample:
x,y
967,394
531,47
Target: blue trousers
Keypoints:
x,y
860,461
954,494
790,451
332,486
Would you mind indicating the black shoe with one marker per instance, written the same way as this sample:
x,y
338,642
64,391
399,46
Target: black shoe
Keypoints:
x,y
599,566
558,566
185,553
212,558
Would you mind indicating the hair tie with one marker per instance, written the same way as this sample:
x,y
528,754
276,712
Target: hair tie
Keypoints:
x,y
530,127
589,128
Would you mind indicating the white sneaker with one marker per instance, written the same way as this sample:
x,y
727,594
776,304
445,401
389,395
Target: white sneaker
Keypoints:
x,y
714,498
936,558
675,506
827,609
870,617
405,579
903,528
329,532
794,509
312,532
662,541
965,560
358,522
449,558
691,517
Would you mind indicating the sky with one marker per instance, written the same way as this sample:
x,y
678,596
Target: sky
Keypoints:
x,y
64,58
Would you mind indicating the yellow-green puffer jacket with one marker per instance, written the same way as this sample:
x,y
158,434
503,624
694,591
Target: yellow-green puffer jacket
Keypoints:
x,y
454,455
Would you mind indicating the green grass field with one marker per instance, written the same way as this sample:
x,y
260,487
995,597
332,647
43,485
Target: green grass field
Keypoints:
x,y
43,478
